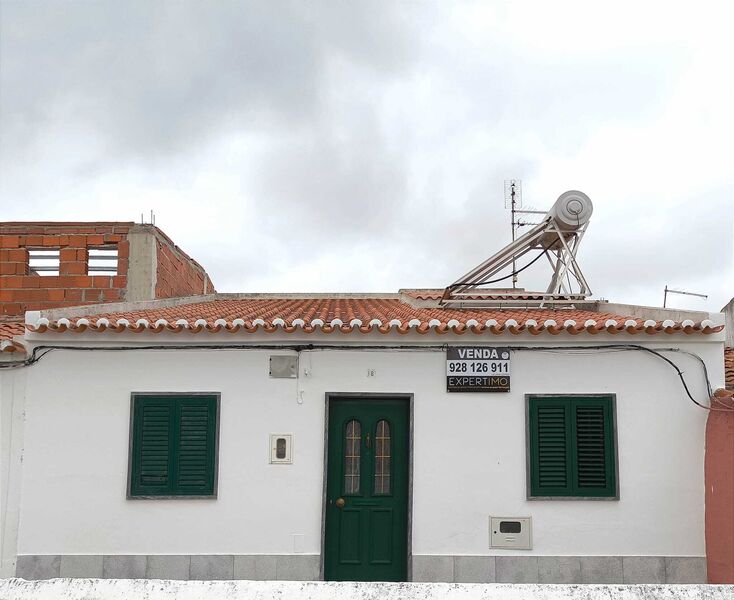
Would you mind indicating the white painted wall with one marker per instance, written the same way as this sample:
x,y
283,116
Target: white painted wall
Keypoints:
x,y
469,459
12,397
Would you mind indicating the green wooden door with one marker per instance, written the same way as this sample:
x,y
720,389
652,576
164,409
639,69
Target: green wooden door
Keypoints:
x,y
367,490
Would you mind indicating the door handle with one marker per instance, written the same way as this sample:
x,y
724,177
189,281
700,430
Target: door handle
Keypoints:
x,y
340,502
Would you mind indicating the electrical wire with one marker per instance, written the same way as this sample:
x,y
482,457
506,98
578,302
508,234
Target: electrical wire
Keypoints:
x,y
40,351
512,274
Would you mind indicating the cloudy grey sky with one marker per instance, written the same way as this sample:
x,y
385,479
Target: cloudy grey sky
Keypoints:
x,y
362,146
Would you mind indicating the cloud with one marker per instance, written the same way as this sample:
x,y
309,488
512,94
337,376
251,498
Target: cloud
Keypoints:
x,y
363,146
158,78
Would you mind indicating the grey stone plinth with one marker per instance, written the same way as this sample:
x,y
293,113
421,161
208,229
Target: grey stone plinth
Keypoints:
x,y
297,567
643,569
38,567
474,569
78,565
559,569
255,567
516,569
433,568
601,569
425,568
212,566
685,569
124,566
174,566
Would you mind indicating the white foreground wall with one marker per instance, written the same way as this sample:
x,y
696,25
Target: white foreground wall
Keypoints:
x,y
469,451
82,589
12,398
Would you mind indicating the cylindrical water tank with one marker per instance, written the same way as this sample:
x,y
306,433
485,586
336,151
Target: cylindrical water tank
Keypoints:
x,y
571,210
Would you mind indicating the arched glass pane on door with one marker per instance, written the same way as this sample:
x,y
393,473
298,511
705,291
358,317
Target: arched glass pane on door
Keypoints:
x,y
382,458
352,448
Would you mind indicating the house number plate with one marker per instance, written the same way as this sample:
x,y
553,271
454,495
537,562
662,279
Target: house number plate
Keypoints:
x,y
472,369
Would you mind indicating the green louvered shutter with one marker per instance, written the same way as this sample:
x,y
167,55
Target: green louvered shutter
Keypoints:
x,y
594,447
152,446
571,447
173,445
195,463
550,447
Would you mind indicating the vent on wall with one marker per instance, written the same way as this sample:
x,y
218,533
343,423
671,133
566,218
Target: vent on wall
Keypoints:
x,y
44,262
102,261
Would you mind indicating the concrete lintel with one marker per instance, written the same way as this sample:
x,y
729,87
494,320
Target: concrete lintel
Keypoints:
x,y
657,313
114,307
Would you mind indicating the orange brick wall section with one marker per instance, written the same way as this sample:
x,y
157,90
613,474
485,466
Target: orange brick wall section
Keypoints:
x,y
179,275
21,291
719,469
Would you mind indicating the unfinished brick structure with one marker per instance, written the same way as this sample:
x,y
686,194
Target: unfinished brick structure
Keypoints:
x,y
146,265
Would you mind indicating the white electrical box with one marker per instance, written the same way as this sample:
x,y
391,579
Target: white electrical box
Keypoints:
x,y
283,367
281,448
511,532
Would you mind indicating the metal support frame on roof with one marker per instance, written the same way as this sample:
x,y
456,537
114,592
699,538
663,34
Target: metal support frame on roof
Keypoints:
x,y
555,237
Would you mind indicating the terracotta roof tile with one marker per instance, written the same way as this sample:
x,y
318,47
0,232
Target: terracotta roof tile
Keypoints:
x,y
363,314
9,330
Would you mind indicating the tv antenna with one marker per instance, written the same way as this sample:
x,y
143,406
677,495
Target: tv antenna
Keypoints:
x,y
513,201
672,291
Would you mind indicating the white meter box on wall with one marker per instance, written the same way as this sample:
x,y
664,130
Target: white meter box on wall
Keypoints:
x,y
281,448
511,532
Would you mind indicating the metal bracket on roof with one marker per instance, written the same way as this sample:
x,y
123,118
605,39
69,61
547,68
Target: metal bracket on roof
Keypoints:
x,y
557,237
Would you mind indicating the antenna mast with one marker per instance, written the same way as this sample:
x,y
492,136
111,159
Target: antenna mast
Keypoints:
x,y
513,201
513,197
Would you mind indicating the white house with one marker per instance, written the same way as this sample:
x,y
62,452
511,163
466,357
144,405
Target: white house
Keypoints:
x,y
374,437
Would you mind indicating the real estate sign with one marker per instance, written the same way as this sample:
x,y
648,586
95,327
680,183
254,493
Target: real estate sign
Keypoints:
x,y
477,369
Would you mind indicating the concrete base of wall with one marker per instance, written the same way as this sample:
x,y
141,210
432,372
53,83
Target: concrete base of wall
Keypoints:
x,y
285,567
120,589
305,567
560,569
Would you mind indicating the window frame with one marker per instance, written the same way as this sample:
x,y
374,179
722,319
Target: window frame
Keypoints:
x,y
615,443
213,496
390,456
360,492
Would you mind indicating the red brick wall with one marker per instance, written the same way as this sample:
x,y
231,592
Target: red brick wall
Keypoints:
x,y
20,291
719,468
178,274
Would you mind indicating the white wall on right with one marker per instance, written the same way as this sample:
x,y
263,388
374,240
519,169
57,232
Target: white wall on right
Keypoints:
x,y
728,311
